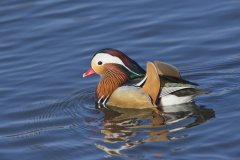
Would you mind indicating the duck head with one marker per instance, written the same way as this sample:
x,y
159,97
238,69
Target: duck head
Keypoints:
x,y
115,68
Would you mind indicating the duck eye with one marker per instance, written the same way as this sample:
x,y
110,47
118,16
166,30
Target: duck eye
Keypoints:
x,y
99,62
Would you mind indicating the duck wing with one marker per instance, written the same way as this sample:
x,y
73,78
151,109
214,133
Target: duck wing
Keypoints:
x,y
176,80
170,81
180,90
170,72
152,83
165,69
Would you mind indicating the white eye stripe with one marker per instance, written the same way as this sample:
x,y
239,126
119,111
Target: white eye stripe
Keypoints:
x,y
107,58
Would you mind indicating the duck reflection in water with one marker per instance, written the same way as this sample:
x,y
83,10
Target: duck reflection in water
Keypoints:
x,y
128,128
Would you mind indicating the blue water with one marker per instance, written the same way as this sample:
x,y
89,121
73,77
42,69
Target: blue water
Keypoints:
x,y
48,109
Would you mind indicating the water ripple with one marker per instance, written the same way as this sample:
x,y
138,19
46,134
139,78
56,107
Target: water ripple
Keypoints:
x,y
48,110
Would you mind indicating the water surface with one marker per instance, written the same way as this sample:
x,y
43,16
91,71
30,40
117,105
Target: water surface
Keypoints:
x,y
48,109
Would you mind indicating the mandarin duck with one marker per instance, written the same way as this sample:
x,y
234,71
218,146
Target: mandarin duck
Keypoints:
x,y
123,83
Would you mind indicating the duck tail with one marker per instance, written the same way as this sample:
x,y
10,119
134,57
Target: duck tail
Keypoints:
x,y
202,91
